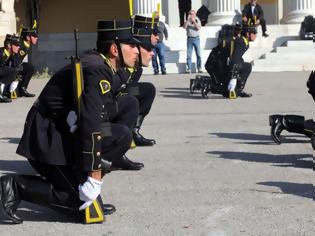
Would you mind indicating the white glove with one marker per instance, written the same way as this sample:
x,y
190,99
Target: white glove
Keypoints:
x,y
13,85
71,120
232,84
89,191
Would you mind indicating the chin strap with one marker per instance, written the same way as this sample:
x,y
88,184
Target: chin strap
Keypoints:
x,y
121,57
140,58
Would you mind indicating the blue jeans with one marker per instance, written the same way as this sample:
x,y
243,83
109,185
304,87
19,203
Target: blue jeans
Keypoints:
x,y
193,43
158,52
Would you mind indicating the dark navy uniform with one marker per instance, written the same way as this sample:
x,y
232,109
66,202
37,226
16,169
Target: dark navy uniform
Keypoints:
x,y
241,45
252,17
7,69
7,73
144,92
61,155
25,69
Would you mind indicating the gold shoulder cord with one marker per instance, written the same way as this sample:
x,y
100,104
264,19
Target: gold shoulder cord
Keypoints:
x,y
107,62
6,53
245,41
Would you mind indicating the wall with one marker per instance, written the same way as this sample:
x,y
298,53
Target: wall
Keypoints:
x,y
59,16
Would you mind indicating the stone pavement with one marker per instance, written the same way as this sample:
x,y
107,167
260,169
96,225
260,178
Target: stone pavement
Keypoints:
x,y
214,170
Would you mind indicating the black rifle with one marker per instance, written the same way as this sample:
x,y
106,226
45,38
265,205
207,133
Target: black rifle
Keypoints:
x,y
94,213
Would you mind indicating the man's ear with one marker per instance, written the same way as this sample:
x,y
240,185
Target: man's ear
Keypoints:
x,y
114,49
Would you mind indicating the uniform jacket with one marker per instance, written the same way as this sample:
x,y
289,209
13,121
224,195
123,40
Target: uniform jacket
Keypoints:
x,y
25,49
4,56
46,136
258,12
241,45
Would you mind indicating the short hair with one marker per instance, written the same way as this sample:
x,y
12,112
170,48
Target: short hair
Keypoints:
x,y
104,46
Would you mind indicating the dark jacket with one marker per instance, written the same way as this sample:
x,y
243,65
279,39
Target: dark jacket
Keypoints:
x,y
184,5
258,12
46,136
162,30
241,45
25,49
4,56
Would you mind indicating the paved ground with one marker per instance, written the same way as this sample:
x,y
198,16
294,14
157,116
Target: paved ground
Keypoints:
x,y
214,170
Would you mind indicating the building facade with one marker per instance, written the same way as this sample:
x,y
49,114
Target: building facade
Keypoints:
x,y
57,19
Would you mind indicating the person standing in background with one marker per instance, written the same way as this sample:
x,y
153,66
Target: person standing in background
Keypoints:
x,y
193,26
184,7
159,48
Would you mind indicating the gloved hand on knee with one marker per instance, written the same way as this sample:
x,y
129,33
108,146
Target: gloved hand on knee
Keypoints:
x,y
232,84
89,191
13,85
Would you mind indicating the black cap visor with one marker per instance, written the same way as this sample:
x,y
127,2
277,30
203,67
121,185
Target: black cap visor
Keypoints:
x,y
129,41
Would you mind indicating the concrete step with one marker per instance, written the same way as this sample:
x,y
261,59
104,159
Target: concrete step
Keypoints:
x,y
300,43
295,49
296,56
180,56
271,67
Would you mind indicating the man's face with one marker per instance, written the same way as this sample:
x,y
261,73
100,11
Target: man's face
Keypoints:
x,y
130,53
15,48
154,39
252,36
146,56
254,2
192,14
34,40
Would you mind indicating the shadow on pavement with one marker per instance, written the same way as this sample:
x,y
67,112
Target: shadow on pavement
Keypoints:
x,y
263,139
301,190
293,160
16,166
10,140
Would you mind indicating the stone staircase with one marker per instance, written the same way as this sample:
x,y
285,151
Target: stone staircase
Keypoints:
x,y
294,55
279,52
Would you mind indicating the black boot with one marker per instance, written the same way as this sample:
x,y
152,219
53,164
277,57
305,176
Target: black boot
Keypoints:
x,y
290,123
125,164
276,127
9,200
137,137
24,93
5,99
36,190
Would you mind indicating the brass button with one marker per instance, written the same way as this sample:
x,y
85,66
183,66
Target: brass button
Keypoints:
x,y
98,154
99,137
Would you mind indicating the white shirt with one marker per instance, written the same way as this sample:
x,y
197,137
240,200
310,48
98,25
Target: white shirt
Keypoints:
x,y
253,9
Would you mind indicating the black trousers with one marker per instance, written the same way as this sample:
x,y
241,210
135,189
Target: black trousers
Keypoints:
x,y
64,183
127,113
56,188
183,15
263,25
7,76
146,97
116,145
26,74
245,71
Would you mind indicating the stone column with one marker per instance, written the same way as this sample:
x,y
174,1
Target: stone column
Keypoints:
x,y
7,18
146,7
294,11
224,12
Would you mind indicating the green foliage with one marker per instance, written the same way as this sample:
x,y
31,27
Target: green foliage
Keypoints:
x,y
44,74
